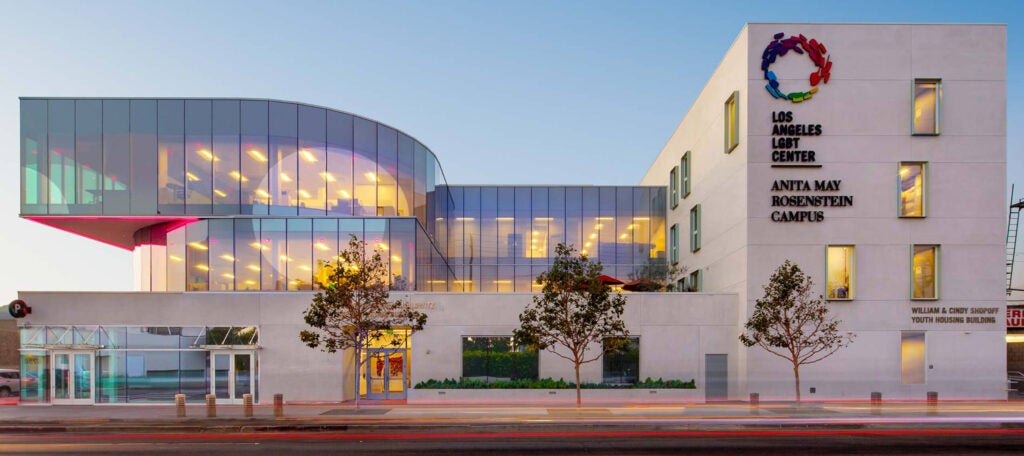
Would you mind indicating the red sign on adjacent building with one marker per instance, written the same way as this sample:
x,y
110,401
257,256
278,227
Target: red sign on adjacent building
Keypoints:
x,y
1014,318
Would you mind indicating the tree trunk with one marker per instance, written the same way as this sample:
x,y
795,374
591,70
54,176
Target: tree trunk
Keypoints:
x,y
796,375
357,363
579,401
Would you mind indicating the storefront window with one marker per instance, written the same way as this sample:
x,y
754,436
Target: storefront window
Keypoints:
x,y
924,270
35,379
621,365
840,261
912,189
497,358
912,357
927,94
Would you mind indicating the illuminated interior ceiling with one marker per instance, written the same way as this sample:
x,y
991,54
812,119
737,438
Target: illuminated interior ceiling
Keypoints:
x,y
116,231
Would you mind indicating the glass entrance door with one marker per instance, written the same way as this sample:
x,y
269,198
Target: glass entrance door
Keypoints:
x,y
386,371
233,375
72,379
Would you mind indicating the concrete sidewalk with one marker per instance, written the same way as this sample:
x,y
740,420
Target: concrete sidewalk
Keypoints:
x,y
381,417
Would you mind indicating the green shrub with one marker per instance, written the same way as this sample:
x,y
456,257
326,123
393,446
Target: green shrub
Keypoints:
x,y
548,383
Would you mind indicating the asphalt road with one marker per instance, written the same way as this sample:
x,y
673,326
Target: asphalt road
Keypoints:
x,y
763,442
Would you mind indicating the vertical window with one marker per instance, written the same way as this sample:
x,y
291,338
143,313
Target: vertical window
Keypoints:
x,y
621,363
695,228
684,168
927,94
840,261
695,282
912,357
925,272
674,243
732,122
673,186
912,189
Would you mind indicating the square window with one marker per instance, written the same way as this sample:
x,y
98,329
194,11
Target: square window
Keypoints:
x,y
841,261
732,122
912,189
927,97
925,272
684,168
498,358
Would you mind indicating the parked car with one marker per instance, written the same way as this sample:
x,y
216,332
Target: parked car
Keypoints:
x,y
10,382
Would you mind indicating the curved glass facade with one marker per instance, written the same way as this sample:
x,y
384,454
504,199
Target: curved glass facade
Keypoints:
x,y
260,195
218,157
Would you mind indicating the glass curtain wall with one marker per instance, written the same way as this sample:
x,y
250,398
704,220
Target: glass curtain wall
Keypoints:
x,y
219,157
297,253
499,238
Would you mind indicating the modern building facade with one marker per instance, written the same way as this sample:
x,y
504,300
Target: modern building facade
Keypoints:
x,y
882,175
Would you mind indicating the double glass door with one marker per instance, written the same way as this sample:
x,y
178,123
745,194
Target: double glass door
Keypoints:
x,y
72,377
386,372
234,374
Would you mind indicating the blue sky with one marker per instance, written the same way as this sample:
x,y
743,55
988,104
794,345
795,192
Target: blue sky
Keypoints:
x,y
524,92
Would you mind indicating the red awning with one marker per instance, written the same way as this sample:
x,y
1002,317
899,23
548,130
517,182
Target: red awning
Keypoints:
x,y
609,280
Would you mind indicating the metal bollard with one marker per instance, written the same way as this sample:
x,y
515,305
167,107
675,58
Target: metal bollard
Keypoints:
x,y
933,402
278,405
247,405
179,405
755,400
211,406
876,403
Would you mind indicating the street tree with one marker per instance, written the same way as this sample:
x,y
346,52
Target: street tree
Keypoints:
x,y
354,310
575,311
791,324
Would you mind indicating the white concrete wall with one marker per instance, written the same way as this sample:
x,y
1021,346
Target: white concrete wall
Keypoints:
x,y
675,331
865,113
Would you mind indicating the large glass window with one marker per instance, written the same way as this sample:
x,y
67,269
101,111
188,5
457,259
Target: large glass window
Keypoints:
x,y
274,254
912,190
198,256
365,168
35,377
927,95
673,186
925,272
33,157
199,157
171,161
495,358
387,171
339,163
621,362
116,157
732,122
89,156
61,128
145,154
312,175
253,178
222,255
912,357
673,241
841,262
284,160
248,250
695,228
300,254
684,169
227,173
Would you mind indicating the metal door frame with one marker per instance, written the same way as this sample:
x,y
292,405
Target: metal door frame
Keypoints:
x,y
232,399
72,381
387,352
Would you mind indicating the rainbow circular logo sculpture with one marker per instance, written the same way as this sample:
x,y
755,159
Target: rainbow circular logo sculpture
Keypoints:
x,y
799,44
